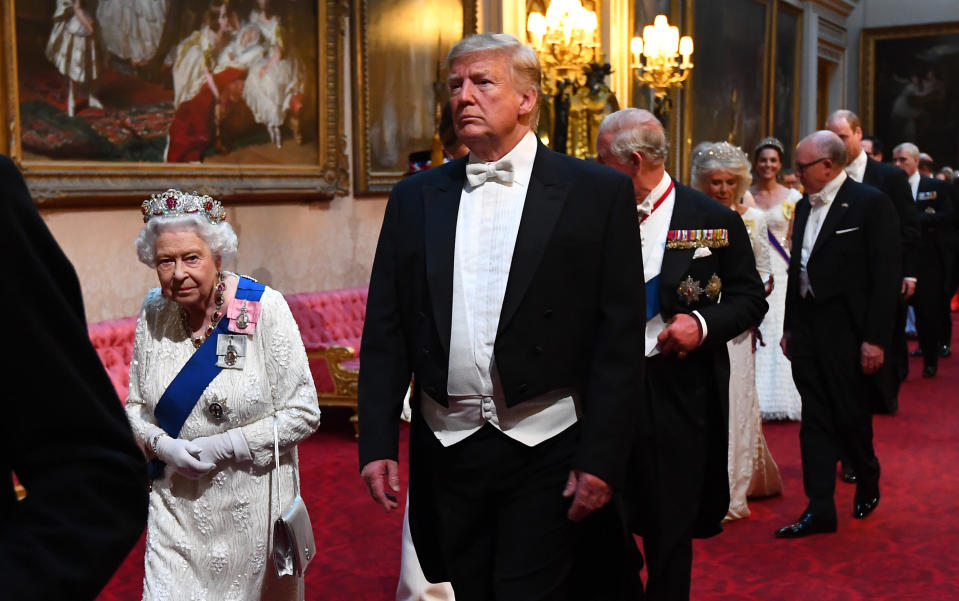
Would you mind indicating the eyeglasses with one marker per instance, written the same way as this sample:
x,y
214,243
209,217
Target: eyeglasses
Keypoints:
x,y
800,167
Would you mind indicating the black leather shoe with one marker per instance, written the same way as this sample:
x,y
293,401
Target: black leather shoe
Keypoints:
x,y
862,509
806,525
848,475
915,352
928,371
945,351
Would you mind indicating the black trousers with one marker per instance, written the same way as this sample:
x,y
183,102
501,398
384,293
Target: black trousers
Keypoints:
x,y
836,415
503,528
931,305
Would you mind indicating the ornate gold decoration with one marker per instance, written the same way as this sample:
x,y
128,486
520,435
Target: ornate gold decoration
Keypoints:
x,y
713,288
789,208
345,379
656,56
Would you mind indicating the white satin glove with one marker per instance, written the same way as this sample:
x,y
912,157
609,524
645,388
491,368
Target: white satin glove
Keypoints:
x,y
220,448
183,457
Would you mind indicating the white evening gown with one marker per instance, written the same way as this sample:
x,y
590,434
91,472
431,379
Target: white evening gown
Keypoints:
x,y
778,397
209,539
269,96
752,471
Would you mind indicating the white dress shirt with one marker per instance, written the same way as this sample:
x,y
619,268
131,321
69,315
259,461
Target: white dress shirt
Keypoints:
x,y
857,168
817,214
486,227
914,184
653,231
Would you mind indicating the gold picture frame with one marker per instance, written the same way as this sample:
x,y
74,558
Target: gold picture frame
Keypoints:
x,y
380,156
908,88
72,182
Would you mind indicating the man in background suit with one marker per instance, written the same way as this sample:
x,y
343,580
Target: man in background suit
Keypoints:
x,y
840,302
507,285
63,430
873,147
933,199
883,387
694,252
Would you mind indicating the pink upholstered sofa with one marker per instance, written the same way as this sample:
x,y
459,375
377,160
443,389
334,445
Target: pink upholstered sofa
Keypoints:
x,y
330,322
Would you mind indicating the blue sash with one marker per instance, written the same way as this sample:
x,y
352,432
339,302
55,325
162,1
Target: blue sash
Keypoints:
x,y
777,246
652,298
183,393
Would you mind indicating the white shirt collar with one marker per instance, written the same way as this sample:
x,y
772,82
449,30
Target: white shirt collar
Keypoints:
x,y
829,191
914,183
521,156
857,168
645,207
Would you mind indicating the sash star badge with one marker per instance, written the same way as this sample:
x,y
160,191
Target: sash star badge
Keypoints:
x,y
689,291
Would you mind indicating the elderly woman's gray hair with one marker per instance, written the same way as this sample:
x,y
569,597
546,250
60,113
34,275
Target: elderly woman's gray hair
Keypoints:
x,y
524,63
635,130
220,238
710,157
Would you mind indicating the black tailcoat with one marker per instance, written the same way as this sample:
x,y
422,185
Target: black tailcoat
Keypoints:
x,y
571,316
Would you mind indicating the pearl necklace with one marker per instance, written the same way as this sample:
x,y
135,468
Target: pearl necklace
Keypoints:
x,y
215,319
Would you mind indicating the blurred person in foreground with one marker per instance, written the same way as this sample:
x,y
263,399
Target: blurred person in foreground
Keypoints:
x,y
218,371
63,431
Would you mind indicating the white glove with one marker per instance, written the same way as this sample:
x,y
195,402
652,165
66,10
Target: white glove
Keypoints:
x,y
215,449
219,448
182,456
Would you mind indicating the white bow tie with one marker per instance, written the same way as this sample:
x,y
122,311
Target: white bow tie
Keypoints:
x,y
478,173
817,199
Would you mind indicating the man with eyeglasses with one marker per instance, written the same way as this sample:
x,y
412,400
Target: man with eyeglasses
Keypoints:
x,y
840,303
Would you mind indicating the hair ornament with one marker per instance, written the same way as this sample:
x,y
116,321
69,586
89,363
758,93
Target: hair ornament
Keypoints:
x,y
719,151
770,142
174,203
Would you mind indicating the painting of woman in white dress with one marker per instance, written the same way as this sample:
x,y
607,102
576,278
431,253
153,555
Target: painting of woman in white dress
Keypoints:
x,y
111,80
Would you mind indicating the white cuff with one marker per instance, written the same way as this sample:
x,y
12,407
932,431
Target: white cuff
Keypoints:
x,y
909,279
702,324
241,450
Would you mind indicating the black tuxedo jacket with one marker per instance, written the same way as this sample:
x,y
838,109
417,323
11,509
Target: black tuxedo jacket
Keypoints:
x,y
63,430
937,218
680,457
855,259
572,315
893,181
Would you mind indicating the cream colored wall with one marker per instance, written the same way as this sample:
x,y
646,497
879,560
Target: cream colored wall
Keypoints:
x,y
292,247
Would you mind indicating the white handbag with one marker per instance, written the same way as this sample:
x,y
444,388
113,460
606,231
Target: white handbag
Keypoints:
x,y
293,544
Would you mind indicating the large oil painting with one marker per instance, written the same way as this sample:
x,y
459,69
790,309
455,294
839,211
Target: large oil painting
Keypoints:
x,y
399,82
909,87
237,96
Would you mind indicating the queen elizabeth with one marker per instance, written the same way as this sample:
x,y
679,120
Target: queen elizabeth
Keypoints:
x,y
217,361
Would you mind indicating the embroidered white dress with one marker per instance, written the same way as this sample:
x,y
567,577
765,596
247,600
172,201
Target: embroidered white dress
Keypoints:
x,y
752,471
778,397
209,539
269,95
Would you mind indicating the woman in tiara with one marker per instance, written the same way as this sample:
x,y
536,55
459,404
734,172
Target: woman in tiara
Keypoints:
x,y
778,397
721,171
218,363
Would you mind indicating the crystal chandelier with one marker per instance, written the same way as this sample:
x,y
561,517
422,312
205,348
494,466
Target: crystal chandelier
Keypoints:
x,y
656,56
566,40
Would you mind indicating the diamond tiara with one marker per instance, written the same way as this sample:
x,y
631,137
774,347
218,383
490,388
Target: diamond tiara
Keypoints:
x,y
175,203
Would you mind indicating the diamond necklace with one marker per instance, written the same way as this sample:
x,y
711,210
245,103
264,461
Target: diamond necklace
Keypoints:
x,y
215,319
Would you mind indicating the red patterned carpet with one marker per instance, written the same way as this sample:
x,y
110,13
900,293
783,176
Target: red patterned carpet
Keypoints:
x,y
905,551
